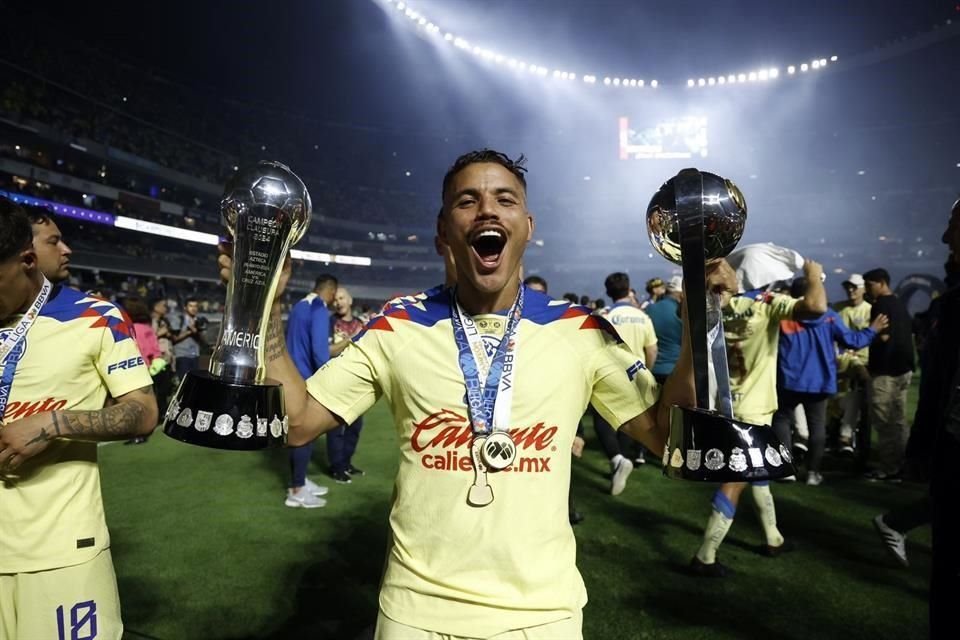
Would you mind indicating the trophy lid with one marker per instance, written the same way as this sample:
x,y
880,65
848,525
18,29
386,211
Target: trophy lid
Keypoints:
x,y
724,217
269,185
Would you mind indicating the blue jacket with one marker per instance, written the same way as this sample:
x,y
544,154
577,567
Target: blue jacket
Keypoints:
x,y
308,335
807,356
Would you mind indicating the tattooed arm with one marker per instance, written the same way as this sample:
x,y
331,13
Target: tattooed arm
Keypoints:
x,y
133,414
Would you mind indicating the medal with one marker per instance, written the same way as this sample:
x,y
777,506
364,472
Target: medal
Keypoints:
x,y
489,382
498,450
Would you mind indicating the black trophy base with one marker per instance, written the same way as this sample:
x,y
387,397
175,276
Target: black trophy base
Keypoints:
x,y
215,413
709,447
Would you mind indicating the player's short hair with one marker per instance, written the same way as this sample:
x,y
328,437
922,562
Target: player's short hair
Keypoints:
x,y
37,214
485,155
536,280
617,285
191,299
877,275
325,280
572,298
16,233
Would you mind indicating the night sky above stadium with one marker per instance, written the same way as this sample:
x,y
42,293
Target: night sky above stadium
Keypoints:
x,y
351,59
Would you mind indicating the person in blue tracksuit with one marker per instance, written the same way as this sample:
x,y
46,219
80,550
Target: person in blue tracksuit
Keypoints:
x,y
807,372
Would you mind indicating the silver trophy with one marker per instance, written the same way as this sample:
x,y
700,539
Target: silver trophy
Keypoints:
x,y
695,217
233,405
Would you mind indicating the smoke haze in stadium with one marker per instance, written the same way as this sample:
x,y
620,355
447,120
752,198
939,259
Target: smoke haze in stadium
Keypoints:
x,y
856,167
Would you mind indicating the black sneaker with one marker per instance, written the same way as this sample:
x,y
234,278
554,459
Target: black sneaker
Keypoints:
x,y
353,471
341,477
702,570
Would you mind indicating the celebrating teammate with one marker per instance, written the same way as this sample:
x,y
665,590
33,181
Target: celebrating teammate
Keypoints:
x,y
486,383
61,354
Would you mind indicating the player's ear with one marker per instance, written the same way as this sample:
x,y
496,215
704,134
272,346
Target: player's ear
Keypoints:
x,y
531,225
28,259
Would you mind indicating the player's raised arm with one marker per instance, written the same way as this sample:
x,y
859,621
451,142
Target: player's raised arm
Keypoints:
x,y
308,418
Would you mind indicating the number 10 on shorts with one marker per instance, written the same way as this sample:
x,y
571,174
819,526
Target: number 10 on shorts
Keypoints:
x,y
82,621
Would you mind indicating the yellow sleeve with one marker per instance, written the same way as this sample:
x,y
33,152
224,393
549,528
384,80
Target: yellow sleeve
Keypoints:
x,y
119,363
781,307
623,387
351,383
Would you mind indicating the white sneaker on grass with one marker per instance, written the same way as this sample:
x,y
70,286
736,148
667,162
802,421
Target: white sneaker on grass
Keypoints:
x,y
315,488
814,478
304,499
620,474
893,540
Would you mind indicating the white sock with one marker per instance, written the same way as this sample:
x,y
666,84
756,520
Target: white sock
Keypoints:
x,y
716,531
767,512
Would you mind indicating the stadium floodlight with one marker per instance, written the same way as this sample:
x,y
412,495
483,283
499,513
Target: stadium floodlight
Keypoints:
x,y
422,21
691,82
774,73
711,81
640,83
448,37
616,82
823,62
701,82
815,64
762,75
573,76
833,58
731,79
752,76
721,80
791,69
654,84
401,6
804,67
556,73
741,77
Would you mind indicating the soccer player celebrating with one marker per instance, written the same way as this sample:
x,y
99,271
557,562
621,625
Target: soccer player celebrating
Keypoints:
x,y
486,383
61,354
751,323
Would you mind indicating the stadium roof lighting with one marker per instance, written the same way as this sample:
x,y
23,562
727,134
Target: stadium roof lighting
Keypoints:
x,y
769,73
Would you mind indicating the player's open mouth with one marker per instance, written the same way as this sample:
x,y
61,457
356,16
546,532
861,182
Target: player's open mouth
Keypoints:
x,y
488,244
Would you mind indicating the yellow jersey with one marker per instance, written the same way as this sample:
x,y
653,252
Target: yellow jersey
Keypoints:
x,y
79,350
474,571
751,324
855,317
634,327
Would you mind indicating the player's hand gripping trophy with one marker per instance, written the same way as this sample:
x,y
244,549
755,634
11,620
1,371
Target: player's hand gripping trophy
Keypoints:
x,y
233,405
695,217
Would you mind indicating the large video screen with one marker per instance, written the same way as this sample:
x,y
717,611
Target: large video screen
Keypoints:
x,y
683,137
